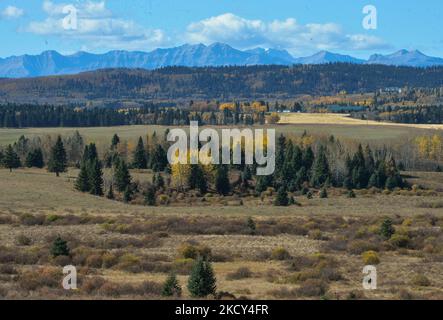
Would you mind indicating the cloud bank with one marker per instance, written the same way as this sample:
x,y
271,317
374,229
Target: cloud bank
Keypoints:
x,y
98,27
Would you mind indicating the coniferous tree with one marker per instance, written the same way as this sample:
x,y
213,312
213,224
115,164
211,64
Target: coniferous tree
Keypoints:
x,y
222,184
387,229
202,281
122,178
115,141
197,179
11,159
127,195
59,248
110,194
35,159
82,182
320,169
308,158
96,178
251,226
57,161
159,159
171,288
282,199
140,160
263,183
158,181
150,198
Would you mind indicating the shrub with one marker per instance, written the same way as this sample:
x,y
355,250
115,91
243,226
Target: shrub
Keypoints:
x,y
45,277
91,285
240,273
150,288
183,266
94,261
109,260
171,287
280,254
313,288
421,280
23,240
189,251
400,240
370,258
359,246
351,194
316,234
129,262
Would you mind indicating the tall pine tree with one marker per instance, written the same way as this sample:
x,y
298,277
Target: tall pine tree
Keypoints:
x,y
57,161
11,159
140,161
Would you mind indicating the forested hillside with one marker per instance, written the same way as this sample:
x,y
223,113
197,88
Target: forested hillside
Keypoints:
x,y
225,83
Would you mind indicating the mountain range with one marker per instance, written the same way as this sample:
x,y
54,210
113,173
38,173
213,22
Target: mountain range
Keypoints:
x,y
51,63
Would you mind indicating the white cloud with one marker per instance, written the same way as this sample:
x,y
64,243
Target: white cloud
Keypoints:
x,y
12,12
97,28
289,34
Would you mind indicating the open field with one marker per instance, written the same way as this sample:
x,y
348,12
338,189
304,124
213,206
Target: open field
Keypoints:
x,y
125,251
345,119
338,125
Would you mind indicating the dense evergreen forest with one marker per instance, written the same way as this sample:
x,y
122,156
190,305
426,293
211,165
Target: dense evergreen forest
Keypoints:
x,y
26,116
224,83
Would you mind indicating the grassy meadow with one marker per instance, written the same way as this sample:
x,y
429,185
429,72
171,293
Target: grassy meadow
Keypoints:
x,y
143,243
315,249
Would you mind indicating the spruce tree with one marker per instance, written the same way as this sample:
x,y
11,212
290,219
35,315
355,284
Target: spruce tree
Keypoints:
x,y
115,141
110,194
251,226
171,287
127,195
57,161
282,199
140,160
11,159
59,248
150,199
202,281
222,184
158,181
96,178
122,177
320,169
82,182
159,159
387,229
35,159
197,179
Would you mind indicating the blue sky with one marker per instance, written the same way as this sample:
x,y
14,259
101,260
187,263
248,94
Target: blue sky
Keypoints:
x,y
303,27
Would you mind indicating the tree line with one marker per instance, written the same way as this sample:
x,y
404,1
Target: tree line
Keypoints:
x,y
37,116
222,83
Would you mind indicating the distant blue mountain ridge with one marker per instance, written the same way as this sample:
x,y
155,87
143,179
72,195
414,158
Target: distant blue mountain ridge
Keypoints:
x,y
51,63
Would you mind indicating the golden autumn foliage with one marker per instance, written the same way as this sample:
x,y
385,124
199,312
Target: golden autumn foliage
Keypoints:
x,y
273,118
430,147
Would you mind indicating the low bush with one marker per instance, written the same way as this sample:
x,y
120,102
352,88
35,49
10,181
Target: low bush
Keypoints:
x,y
420,280
240,273
370,258
313,288
280,253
